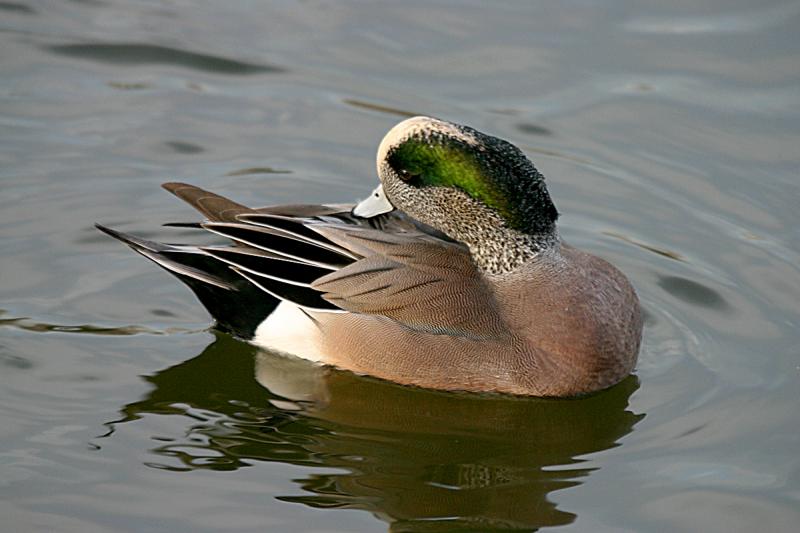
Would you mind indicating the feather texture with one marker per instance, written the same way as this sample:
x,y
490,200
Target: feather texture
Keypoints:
x,y
325,259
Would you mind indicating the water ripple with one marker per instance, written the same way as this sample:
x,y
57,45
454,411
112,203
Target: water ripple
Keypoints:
x,y
741,22
14,7
379,107
150,54
26,324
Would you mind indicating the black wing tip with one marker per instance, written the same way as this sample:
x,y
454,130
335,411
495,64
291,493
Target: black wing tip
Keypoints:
x,y
238,306
106,229
193,225
131,240
124,237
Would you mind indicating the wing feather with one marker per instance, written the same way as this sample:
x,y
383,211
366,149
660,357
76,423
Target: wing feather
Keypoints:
x,y
283,243
301,296
262,263
415,279
325,259
213,206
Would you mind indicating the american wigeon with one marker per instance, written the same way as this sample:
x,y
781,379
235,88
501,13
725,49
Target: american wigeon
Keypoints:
x,y
450,275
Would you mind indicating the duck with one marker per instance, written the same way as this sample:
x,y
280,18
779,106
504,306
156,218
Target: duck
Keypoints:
x,y
450,275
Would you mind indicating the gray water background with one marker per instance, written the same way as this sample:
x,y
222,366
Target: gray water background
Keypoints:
x,y
670,137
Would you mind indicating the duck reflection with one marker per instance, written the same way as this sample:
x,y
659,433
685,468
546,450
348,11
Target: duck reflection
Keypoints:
x,y
420,460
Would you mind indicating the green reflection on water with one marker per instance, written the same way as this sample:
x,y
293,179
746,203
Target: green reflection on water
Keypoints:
x,y
420,460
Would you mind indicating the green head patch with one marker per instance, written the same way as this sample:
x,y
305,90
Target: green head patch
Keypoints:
x,y
487,169
447,165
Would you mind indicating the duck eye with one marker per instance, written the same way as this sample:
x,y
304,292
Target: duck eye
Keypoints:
x,y
405,175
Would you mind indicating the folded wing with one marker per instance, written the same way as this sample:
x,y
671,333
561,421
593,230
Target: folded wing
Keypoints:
x,y
324,259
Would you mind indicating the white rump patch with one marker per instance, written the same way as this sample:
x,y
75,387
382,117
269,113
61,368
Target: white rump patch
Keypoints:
x,y
289,330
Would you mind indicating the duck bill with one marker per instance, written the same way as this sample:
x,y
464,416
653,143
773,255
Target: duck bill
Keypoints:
x,y
375,204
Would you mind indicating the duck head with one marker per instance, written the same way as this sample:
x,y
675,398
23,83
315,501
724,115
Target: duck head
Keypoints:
x,y
475,188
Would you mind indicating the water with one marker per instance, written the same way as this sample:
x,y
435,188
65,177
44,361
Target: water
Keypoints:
x,y
670,137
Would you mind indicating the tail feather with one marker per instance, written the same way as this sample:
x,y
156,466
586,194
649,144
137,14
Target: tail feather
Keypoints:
x,y
215,207
237,305
274,257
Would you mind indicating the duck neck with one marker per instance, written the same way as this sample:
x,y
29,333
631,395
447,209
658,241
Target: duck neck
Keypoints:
x,y
508,249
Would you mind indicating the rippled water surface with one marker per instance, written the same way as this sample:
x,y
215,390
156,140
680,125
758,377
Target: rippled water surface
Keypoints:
x,y
670,136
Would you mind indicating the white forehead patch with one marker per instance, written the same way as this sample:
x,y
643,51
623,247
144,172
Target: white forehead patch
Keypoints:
x,y
425,125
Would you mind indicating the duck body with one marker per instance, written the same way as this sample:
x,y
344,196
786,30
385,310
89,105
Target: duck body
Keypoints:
x,y
450,276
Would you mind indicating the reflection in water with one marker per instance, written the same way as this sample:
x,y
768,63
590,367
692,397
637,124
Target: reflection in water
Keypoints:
x,y
420,460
